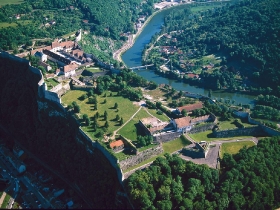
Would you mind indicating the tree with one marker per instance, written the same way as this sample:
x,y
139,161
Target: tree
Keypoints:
x,y
86,119
210,93
184,113
121,121
117,117
116,105
105,115
76,107
106,125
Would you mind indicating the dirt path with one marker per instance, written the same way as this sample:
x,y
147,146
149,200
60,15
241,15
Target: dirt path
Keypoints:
x,y
2,199
115,132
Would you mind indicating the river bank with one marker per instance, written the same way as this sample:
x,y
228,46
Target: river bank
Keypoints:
x,y
131,38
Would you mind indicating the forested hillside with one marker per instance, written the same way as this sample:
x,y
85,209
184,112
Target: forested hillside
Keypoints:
x,y
51,135
245,35
247,180
104,18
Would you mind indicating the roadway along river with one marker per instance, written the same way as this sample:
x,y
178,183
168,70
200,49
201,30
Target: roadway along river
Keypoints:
x,y
132,57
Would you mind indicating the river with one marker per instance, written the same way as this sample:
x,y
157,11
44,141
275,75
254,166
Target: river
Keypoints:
x,y
133,56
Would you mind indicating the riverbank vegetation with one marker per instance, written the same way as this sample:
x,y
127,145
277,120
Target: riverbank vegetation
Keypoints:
x,y
172,183
203,50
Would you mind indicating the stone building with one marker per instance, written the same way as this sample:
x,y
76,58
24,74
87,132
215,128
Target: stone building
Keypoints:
x,y
153,125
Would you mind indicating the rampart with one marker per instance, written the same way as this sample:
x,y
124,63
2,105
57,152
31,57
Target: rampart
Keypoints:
x,y
140,157
250,131
167,137
202,128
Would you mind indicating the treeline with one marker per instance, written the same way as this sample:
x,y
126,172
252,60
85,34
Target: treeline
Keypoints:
x,y
245,33
51,135
105,18
247,180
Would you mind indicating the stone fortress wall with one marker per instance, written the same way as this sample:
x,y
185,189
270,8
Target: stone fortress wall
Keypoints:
x,y
140,157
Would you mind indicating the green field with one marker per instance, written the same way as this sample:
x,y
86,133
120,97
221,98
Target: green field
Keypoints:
x,y
6,201
130,130
4,2
125,109
161,117
234,147
51,83
175,145
205,6
206,136
14,24
94,69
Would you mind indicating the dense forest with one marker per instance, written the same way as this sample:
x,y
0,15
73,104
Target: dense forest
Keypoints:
x,y
247,180
245,35
51,134
104,18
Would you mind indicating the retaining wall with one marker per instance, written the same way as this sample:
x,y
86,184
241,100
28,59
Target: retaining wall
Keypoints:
x,y
85,88
202,128
140,157
251,131
167,137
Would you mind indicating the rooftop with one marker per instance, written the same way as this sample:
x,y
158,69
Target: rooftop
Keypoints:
x,y
117,143
191,107
183,121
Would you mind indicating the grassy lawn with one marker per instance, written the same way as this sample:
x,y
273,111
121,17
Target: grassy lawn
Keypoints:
x,y
234,147
175,145
4,2
205,7
206,136
156,93
131,130
6,201
94,69
51,83
125,109
225,125
14,24
161,117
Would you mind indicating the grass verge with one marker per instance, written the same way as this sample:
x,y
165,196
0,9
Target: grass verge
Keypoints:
x,y
234,147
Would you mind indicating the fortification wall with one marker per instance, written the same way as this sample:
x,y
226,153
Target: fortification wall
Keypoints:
x,y
270,131
202,128
167,137
112,159
251,131
140,157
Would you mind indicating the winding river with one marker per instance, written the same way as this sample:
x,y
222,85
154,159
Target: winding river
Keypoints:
x,y
132,57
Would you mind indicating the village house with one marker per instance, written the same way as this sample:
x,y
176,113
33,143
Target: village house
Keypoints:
x,y
43,57
61,61
17,163
117,145
189,108
46,66
69,70
153,125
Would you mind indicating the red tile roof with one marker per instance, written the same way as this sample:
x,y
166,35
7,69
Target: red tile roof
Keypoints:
x,y
70,67
191,107
183,121
116,144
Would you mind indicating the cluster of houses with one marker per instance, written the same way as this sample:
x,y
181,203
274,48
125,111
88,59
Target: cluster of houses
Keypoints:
x,y
67,55
14,159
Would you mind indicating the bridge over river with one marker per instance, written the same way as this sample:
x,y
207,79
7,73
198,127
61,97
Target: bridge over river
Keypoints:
x,y
141,67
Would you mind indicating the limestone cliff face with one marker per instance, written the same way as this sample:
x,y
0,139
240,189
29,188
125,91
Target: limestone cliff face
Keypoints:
x,y
19,91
